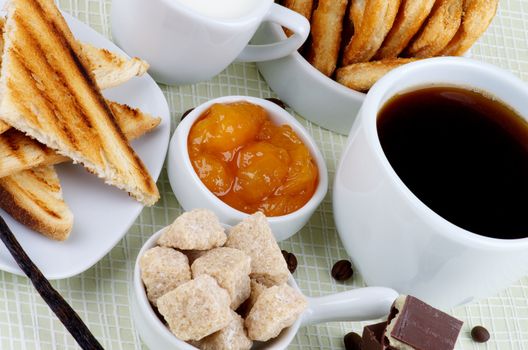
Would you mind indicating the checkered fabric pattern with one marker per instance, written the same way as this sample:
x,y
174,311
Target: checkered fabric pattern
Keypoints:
x,y
101,294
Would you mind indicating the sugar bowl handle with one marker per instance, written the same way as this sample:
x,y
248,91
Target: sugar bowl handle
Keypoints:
x,y
355,305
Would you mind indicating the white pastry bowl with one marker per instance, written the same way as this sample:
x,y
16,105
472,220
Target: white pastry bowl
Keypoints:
x,y
309,92
192,193
354,305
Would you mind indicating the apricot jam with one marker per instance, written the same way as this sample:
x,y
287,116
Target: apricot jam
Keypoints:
x,y
250,163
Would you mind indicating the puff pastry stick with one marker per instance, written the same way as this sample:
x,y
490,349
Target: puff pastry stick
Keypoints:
x,y
327,25
438,30
361,76
377,17
408,22
478,15
303,7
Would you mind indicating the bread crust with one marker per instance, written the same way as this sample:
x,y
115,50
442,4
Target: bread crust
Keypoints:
x,y
48,92
34,198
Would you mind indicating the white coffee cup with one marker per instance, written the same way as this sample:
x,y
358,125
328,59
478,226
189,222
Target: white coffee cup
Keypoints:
x,y
392,237
184,45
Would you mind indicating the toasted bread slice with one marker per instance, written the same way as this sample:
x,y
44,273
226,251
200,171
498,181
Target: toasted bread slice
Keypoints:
x,y
110,69
132,121
34,198
48,92
19,152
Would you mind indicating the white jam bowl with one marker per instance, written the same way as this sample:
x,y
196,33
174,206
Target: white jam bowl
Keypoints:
x,y
192,193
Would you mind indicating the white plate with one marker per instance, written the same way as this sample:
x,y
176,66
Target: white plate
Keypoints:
x,y
102,214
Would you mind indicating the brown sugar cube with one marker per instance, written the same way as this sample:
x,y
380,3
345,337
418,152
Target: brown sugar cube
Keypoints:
x,y
162,270
253,236
196,309
276,308
232,337
230,268
192,255
198,229
256,289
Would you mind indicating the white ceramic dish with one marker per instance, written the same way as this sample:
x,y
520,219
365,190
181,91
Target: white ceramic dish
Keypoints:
x,y
355,305
305,89
186,46
103,214
309,92
192,193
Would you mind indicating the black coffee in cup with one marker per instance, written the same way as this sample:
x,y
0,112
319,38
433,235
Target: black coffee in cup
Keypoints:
x,y
463,154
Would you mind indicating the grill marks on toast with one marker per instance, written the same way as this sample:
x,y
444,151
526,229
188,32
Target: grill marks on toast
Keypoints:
x,y
19,152
44,76
80,67
48,91
46,105
34,198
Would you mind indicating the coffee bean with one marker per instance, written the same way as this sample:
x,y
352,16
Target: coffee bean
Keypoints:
x,y
291,260
186,113
353,341
342,270
480,334
277,102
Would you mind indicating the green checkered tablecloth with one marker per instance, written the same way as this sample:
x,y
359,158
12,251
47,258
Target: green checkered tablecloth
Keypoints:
x,y
101,294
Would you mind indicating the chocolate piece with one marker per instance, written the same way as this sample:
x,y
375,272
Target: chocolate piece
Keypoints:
x,y
352,341
342,270
416,325
291,260
373,336
480,334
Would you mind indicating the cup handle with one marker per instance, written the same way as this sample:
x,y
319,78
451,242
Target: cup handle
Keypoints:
x,y
355,305
285,17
